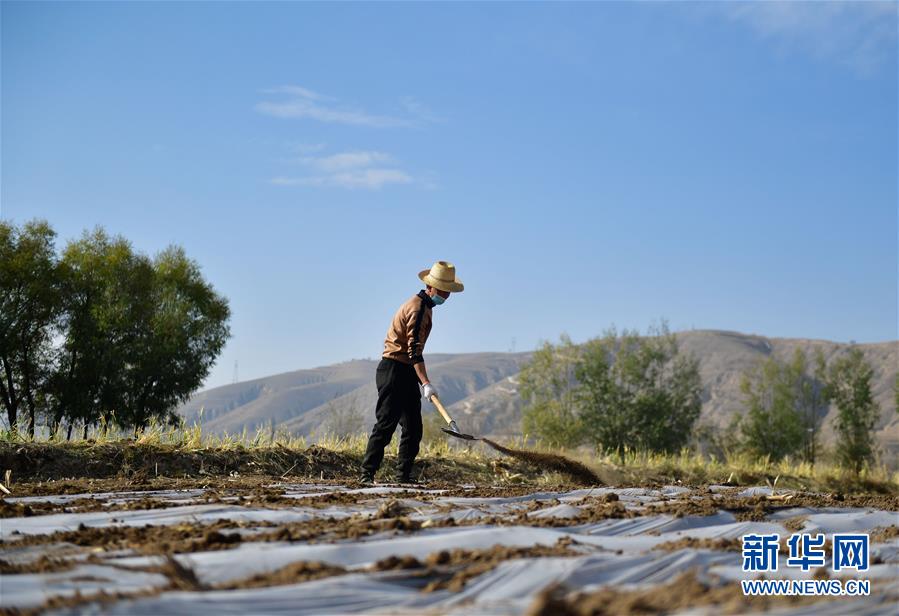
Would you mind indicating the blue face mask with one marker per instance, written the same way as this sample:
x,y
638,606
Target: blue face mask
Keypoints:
x,y
437,299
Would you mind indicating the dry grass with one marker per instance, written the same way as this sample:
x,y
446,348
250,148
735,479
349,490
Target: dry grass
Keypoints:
x,y
474,461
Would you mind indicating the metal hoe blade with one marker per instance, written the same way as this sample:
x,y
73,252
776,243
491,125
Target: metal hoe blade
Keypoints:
x,y
466,437
453,430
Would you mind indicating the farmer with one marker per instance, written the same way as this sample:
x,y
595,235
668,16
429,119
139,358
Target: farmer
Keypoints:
x,y
400,371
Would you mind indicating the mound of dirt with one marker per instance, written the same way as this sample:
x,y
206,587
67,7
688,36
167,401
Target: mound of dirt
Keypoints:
x,y
293,573
469,564
44,461
551,462
703,543
150,539
881,535
683,593
44,564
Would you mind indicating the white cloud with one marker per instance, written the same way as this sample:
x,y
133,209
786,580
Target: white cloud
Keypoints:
x,y
369,179
859,35
304,103
298,91
354,169
346,160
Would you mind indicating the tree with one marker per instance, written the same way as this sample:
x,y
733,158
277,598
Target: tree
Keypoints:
x,y
777,422
638,392
813,402
174,349
101,330
805,393
848,385
549,391
140,334
106,290
614,392
29,309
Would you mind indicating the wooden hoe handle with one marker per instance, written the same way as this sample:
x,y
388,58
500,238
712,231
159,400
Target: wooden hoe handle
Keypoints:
x,y
442,410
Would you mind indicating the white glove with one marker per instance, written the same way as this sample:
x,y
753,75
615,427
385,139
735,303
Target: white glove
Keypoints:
x,y
429,390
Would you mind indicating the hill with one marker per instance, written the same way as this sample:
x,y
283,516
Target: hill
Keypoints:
x,y
481,389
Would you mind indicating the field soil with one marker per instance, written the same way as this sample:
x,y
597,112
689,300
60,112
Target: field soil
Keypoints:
x,y
298,535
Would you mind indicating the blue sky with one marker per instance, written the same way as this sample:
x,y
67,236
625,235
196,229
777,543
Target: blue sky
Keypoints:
x,y
722,166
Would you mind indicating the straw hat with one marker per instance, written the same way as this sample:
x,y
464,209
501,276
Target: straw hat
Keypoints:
x,y
442,275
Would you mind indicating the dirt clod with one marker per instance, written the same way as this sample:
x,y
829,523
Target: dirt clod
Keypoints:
x,y
214,538
396,562
181,577
391,509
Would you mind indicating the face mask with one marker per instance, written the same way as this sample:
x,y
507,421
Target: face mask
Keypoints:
x,y
437,299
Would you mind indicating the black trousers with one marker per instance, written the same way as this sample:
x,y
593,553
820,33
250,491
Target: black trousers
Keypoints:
x,y
399,402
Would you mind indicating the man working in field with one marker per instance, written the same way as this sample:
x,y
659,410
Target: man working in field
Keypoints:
x,y
400,371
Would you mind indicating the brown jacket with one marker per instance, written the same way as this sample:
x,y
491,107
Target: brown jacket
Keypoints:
x,y
409,330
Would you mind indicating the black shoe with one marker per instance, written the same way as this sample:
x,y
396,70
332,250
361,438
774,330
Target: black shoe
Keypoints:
x,y
407,479
366,479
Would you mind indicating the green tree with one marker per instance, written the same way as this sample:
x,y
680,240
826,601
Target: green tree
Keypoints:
x,y
848,385
805,393
614,392
140,334
105,291
549,392
638,392
813,401
29,311
174,349
776,423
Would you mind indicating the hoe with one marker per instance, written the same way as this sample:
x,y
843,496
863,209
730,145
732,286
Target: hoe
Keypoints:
x,y
453,429
545,461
